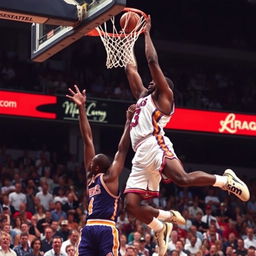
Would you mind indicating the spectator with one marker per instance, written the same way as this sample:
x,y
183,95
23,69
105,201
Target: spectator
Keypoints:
x,y
191,246
222,213
58,214
219,246
64,230
56,248
143,251
150,244
36,246
42,223
11,232
251,206
40,213
17,225
72,202
24,229
230,251
23,249
213,251
173,240
240,251
123,241
194,209
6,204
30,195
250,239
23,213
188,223
47,179
5,242
44,196
208,217
73,240
70,250
72,224
134,237
200,225
251,251
17,197
33,230
7,186
230,242
211,234
199,235
211,198
61,196
130,251
47,241
180,248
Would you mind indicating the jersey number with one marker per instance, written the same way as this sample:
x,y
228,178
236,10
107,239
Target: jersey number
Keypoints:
x,y
136,116
90,206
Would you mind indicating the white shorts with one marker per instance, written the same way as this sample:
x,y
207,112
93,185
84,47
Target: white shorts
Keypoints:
x,y
147,166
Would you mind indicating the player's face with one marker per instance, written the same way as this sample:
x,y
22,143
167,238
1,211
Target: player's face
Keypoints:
x,y
94,166
151,87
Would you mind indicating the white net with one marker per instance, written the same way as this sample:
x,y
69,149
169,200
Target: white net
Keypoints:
x,y
118,44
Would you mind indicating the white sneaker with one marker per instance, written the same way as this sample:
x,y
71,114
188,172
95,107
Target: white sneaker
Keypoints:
x,y
162,238
236,186
176,218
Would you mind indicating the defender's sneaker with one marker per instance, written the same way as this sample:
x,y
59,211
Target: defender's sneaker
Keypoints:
x,y
176,218
162,238
236,186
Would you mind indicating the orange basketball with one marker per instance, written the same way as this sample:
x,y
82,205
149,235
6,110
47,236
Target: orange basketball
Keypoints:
x,y
128,21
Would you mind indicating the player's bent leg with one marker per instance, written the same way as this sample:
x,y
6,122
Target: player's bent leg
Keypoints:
x,y
175,171
229,181
144,213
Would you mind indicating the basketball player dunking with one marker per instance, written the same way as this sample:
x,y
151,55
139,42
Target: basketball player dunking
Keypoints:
x,y
100,236
154,154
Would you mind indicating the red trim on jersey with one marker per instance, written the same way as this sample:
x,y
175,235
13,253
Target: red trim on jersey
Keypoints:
x,y
146,194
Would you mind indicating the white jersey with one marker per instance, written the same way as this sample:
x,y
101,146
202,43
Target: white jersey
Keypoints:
x,y
147,121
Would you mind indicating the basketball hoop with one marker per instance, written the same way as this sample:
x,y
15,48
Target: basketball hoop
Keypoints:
x,y
119,44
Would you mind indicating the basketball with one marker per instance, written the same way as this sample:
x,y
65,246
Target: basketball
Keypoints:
x,y
128,21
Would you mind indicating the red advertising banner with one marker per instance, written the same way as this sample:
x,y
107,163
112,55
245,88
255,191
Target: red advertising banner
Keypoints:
x,y
211,121
108,112
25,104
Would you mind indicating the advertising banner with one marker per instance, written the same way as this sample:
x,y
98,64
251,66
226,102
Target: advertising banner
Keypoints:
x,y
112,113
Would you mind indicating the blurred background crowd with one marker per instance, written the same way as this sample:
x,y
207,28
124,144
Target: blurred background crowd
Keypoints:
x,y
43,197
208,49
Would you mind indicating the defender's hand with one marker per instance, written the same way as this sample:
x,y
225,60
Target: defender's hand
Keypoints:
x,y
77,97
130,111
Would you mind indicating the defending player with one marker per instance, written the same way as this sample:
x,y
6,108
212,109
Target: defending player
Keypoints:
x,y
100,236
155,155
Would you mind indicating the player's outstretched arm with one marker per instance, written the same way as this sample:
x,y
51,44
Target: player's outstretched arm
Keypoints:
x,y
134,79
154,67
123,147
85,128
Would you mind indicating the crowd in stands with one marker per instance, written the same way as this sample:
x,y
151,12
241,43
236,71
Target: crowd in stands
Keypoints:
x,y
198,84
43,208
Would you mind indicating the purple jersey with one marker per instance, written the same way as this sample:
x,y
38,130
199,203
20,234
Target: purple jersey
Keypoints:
x,y
102,203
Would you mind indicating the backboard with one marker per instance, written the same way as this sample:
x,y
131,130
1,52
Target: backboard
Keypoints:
x,y
47,40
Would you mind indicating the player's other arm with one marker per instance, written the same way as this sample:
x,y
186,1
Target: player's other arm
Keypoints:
x,y
123,147
85,128
154,67
134,79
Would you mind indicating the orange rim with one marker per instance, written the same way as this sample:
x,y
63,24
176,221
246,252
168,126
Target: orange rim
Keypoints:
x,y
95,32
